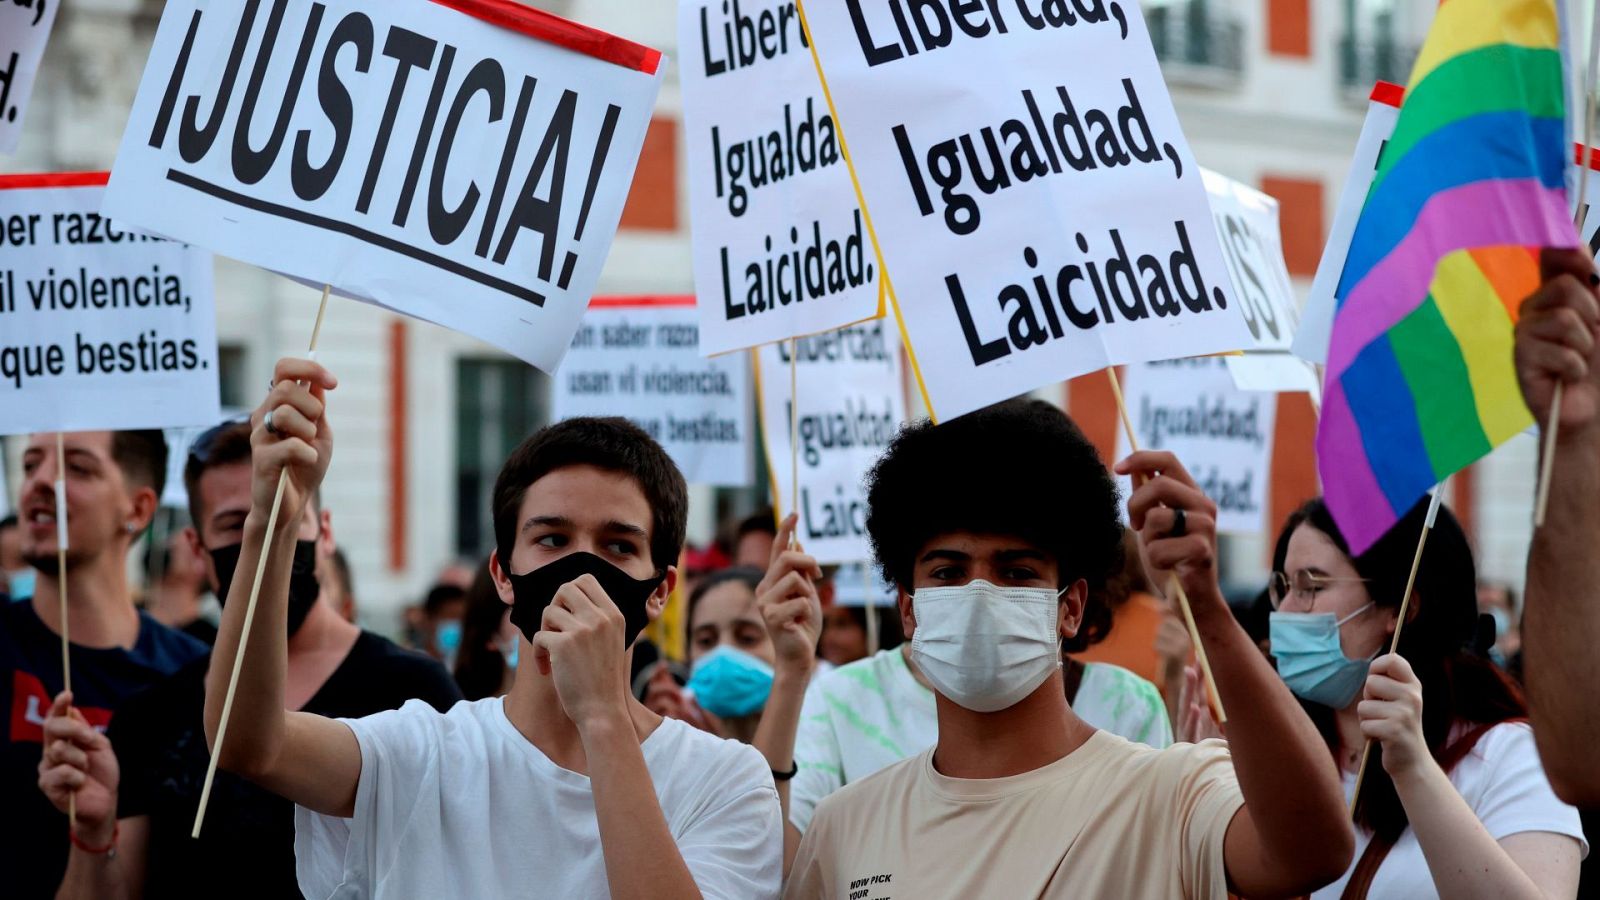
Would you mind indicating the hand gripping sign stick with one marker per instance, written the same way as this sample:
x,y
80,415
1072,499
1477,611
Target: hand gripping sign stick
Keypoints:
x,y
1176,585
250,607
1405,605
61,589
1579,214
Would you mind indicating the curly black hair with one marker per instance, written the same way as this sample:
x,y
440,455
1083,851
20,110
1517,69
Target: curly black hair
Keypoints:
x,y
1019,468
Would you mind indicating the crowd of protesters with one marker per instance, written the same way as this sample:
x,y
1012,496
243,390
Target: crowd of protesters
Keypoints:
x,y
1025,719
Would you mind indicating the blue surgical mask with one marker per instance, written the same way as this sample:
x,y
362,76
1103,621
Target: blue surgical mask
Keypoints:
x,y
447,637
510,651
1311,661
730,683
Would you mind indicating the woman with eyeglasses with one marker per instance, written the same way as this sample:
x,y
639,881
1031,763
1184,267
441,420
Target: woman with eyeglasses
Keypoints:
x,y
1454,802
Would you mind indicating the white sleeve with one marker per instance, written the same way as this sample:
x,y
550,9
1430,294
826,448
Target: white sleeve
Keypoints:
x,y
817,758
734,851
1517,796
339,857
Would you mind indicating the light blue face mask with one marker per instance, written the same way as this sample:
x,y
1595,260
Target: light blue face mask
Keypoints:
x,y
22,584
510,653
730,683
1311,661
447,637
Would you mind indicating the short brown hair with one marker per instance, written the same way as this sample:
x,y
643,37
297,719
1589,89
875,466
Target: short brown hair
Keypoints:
x,y
142,457
225,445
610,443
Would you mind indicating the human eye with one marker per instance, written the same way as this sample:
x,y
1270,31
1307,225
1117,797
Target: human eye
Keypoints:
x,y
946,573
553,541
1019,573
622,548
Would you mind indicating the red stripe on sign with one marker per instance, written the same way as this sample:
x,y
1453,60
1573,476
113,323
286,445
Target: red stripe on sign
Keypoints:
x,y
619,302
54,179
1594,156
1388,94
551,28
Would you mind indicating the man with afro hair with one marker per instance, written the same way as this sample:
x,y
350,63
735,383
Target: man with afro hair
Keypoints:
x,y
995,527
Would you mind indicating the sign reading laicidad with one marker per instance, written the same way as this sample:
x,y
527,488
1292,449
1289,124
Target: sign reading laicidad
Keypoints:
x,y
100,327
780,245
1037,208
461,161
639,357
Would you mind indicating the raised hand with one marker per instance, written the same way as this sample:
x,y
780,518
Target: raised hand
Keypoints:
x,y
1391,714
1555,340
787,597
78,762
1164,488
299,441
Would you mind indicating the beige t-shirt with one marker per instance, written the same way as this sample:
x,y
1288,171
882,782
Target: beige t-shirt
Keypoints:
x,y
1110,819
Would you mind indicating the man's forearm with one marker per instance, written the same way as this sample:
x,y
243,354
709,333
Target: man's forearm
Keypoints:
x,y
107,876
1561,625
642,859
256,721
775,737
1289,780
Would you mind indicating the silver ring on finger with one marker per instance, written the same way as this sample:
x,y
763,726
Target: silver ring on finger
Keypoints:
x,y
266,422
1180,523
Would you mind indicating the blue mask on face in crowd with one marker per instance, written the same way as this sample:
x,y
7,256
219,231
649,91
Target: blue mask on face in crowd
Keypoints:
x,y
447,636
730,683
1312,662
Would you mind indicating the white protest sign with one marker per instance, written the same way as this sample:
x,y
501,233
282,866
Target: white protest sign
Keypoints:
x,y
1589,212
1316,320
1037,208
1252,243
461,161
24,30
851,404
100,328
780,245
639,357
861,584
1223,435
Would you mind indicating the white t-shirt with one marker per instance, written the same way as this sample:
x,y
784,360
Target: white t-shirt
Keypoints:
x,y
462,805
1503,782
872,713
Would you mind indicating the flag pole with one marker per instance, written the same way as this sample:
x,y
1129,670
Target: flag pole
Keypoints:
x,y
1176,585
250,607
1405,607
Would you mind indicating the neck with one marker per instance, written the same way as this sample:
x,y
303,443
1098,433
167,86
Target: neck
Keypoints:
x,y
1035,732
1351,740
911,666
323,630
535,710
99,601
174,607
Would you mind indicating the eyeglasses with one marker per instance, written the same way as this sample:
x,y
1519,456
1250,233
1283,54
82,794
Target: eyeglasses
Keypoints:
x,y
1303,587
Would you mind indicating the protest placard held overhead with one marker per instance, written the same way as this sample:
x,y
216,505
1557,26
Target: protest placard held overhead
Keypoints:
x,y
24,30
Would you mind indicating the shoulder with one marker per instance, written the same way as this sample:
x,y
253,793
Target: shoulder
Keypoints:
x,y
421,677
166,649
691,749
870,674
868,793
416,727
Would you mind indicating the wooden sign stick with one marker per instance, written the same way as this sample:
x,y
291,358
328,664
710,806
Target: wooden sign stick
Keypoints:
x,y
1405,606
250,607
794,439
61,590
1175,586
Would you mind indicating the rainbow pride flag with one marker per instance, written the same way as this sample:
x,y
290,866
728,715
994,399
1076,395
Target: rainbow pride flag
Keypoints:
x,y
1419,380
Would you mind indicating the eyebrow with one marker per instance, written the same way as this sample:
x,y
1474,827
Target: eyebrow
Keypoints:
x,y
949,555
1014,555
613,526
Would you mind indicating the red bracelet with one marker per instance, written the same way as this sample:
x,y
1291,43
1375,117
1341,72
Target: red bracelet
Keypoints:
x,y
116,829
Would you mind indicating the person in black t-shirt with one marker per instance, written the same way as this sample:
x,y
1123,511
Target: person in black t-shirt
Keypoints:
x,y
152,762
113,480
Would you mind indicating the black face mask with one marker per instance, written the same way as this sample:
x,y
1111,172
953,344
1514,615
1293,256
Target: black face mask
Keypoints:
x,y
534,591
303,587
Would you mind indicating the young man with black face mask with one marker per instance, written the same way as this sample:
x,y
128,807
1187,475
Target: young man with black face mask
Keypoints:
x,y
565,787
994,526
138,786
113,481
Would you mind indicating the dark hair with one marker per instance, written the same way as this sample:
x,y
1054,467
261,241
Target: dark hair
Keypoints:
x,y
9,521
609,443
1457,683
749,576
1100,608
439,595
1018,468
142,457
480,666
341,570
225,445
762,521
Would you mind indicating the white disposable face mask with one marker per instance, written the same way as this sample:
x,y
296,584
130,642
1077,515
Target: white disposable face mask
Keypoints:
x,y
984,646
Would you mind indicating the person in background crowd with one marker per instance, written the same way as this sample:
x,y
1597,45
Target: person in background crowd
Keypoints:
x,y
871,714
752,540
1020,797
565,787
844,632
442,612
1498,600
114,480
339,591
1556,344
730,654
178,595
1146,635
1454,802
16,576
698,562
488,656
138,786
